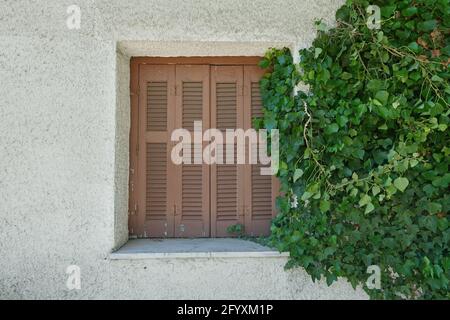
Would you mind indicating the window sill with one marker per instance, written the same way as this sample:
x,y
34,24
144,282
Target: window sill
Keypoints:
x,y
137,249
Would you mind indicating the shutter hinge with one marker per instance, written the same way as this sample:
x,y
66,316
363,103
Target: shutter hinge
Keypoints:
x,y
173,90
134,211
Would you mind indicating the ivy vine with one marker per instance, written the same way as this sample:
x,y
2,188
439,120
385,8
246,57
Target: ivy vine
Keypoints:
x,y
364,152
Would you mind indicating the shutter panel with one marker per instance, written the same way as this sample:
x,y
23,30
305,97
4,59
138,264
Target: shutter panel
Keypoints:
x,y
156,182
155,169
260,190
226,179
192,190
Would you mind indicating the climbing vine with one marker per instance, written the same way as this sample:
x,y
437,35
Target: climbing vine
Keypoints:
x,y
364,149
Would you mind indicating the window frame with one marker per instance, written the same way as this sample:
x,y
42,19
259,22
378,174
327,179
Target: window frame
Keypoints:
x,y
135,63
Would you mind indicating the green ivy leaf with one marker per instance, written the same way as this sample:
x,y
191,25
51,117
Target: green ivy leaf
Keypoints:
x,y
382,96
436,78
428,25
375,85
331,128
317,52
365,200
324,205
298,173
414,47
401,183
376,190
408,12
306,195
264,64
370,207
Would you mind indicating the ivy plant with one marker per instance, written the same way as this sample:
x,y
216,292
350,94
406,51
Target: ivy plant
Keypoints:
x,y
364,148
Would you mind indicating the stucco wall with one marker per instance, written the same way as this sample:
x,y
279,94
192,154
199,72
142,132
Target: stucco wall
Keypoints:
x,y
64,122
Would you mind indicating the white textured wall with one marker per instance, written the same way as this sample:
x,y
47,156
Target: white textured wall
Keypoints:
x,y
64,121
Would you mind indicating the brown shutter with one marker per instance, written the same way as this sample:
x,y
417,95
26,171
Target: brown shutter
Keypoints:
x,y
260,190
194,200
192,187
154,169
227,198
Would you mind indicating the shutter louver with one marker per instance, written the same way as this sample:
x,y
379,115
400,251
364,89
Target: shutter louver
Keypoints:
x,y
226,173
192,104
156,106
191,201
261,184
226,192
192,191
256,100
156,181
226,106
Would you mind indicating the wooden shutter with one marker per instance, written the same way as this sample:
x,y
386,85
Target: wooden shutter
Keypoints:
x,y
155,176
227,198
194,200
192,188
260,190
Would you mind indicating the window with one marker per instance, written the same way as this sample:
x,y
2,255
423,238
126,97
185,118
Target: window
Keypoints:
x,y
194,199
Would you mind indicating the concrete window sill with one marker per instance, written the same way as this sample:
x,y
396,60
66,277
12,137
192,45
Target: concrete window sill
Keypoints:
x,y
136,249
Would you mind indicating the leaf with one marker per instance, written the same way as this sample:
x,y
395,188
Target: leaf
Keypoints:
x,y
370,207
306,195
264,64
298,173
332,128
365,199
324,205
346,76
413,163
401,183
414,47
426,26
317,52
376,190
374,85
382,96
434,207
341,120
408,12
324,76
436,78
